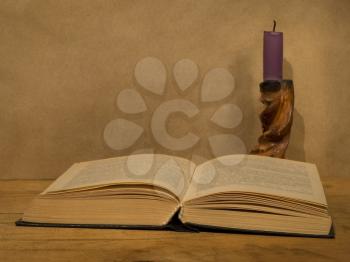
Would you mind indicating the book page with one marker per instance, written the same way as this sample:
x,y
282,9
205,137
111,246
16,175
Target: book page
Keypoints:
x,y
257,174
170,172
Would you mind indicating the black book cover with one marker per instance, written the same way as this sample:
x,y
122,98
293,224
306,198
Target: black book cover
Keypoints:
x,y
175,224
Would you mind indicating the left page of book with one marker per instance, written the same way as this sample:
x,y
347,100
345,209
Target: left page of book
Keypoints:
x,y
170,172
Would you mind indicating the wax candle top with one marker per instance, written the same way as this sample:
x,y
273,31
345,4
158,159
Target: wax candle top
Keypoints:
x,y
273,32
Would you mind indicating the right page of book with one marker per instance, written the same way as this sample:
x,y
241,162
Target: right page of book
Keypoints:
x,y
257,174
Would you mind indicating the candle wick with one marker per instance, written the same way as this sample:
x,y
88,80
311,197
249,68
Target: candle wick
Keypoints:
x,y
274,25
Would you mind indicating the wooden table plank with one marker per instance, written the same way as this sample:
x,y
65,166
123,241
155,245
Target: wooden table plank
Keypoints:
x,y
71,244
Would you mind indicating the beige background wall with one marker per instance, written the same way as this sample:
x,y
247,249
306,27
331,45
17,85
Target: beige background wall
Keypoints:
x,y
64,62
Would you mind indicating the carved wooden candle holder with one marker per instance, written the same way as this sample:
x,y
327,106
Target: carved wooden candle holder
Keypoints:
x,y
276,118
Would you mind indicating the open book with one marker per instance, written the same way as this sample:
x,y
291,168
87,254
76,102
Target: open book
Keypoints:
x,y
233,192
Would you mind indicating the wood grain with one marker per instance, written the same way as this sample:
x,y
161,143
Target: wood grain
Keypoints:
x,y
55,244
276,118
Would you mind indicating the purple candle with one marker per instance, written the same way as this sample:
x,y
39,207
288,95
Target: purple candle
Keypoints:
x,y
273,55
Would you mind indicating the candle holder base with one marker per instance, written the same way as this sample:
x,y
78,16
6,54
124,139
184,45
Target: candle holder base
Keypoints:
x,y
276,118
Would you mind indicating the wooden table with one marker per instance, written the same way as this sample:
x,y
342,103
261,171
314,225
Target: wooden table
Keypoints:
x,y
61,244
